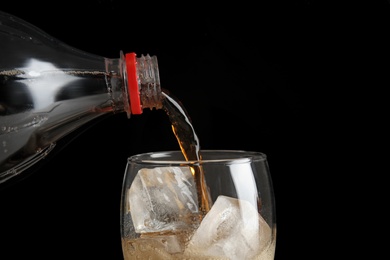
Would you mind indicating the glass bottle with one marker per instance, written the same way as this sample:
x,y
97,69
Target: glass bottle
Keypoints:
x,y
49,89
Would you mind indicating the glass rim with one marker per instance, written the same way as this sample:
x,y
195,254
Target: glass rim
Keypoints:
x,y
208,156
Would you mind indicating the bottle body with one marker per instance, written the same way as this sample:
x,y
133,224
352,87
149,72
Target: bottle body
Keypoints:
x,y
37,111
49,89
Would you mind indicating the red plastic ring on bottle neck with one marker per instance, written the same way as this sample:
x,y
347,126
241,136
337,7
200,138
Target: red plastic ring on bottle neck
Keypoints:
x,y
132,84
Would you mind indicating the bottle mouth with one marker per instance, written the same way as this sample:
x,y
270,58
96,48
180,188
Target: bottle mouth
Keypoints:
x,y
143,83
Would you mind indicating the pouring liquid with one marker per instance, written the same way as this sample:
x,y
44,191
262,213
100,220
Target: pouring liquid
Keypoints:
x,y
189,145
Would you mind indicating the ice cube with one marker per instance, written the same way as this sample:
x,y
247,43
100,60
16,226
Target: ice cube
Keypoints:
x,y
163,199
232,228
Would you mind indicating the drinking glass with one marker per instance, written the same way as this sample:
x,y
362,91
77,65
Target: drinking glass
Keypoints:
x,y
219,207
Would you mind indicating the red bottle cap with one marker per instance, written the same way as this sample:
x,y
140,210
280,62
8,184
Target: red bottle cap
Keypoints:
x,y
132,84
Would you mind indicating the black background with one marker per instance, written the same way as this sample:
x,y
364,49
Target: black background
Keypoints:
x,y
258,77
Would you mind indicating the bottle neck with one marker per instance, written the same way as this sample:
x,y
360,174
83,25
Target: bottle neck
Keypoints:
x,y
149,82
134,83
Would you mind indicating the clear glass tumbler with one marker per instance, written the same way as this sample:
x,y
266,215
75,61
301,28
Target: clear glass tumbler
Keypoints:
x,y
220,207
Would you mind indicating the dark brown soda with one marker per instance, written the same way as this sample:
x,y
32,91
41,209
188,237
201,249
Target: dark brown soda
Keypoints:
x,y
189,144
